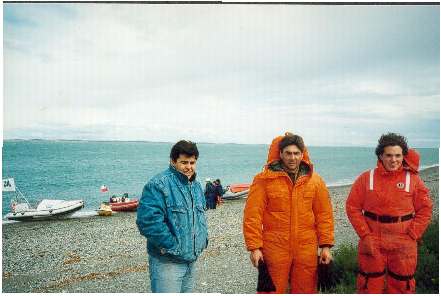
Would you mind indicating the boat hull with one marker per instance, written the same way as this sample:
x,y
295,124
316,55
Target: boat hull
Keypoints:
x,y
235,195
236,191
46,214
128,206
235,188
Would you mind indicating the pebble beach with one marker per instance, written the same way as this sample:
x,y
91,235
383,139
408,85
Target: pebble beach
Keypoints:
x,y
107,254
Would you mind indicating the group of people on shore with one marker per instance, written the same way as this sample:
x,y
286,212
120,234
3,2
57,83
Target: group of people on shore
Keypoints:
x,y
288,217
213,193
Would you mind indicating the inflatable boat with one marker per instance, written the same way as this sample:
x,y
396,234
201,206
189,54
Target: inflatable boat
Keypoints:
x,y
123,203
124,206
45,209
236,191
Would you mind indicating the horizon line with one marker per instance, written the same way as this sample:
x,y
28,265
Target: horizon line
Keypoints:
x,y
169,142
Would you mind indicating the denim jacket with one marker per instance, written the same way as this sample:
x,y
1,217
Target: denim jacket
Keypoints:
x,y
171,216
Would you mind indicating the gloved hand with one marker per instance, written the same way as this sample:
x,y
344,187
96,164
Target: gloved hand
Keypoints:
x,y
264,281
327,276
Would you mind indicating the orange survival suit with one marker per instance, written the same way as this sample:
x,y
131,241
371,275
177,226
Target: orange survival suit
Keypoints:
x,y
288,222
389,210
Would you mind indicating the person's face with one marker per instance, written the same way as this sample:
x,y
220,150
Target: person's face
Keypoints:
x,y
185,164
291,157
392,158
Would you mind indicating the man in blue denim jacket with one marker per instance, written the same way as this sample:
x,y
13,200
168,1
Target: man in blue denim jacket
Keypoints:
x,y
171,217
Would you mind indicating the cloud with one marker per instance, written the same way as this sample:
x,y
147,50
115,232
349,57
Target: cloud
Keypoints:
x,y
243,73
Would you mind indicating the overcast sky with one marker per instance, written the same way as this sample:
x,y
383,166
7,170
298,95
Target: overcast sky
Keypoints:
x,y
337,75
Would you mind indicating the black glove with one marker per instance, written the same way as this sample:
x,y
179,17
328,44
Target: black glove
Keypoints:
x,y
325,277
264,281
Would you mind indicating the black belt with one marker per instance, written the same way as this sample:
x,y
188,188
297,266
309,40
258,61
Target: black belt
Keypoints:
x,y
372,274
398,277
387,219
368,275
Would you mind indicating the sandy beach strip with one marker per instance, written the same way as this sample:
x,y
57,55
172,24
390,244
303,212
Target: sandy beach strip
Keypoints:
x,y
107,254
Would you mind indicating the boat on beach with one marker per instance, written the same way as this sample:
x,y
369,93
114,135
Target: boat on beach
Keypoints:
x,y
21,209
236,191
105,210
123,203
126,206
45,209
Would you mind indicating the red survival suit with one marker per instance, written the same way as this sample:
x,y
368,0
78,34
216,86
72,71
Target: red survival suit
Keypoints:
x,y
389,210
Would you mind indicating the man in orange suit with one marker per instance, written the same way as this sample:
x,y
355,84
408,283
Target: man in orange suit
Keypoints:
x,y
288,215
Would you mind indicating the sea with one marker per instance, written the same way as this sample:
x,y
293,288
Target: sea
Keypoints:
x,y
77,169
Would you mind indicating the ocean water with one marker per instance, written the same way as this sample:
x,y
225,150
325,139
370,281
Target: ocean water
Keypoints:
x,y
76,169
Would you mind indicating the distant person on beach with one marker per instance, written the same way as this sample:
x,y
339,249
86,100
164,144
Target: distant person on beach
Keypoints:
x,y
207,184
171,216
288,216
210,194
219,191
389,208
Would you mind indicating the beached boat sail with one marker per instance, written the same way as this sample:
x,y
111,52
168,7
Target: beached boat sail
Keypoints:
x,y
236,191
22,210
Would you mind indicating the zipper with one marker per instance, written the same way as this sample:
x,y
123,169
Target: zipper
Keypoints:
x,y
192,229
293,213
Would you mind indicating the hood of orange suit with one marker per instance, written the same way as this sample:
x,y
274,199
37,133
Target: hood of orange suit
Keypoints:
x,y
411,161
274,153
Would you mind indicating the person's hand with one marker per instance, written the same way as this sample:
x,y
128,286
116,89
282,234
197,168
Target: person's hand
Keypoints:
x,y
255,256
325,255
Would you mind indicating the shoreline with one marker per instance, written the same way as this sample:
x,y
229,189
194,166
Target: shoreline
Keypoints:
x,y
423,171
86,213
107,254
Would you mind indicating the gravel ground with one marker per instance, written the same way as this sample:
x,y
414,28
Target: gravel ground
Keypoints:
x,y
107,254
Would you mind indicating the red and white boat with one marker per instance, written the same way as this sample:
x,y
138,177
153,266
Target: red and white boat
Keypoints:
x,y
235,191
123,204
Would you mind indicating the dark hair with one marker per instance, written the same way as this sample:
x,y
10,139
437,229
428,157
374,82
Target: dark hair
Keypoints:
x,y
391,139
291,139
184,147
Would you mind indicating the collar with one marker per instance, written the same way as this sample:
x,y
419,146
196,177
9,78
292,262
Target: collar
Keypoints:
x,y
276,166
181,177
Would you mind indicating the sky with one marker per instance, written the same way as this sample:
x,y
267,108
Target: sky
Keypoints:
x,y
338,75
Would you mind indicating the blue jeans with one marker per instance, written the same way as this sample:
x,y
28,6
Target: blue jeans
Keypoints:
x,y
168,276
